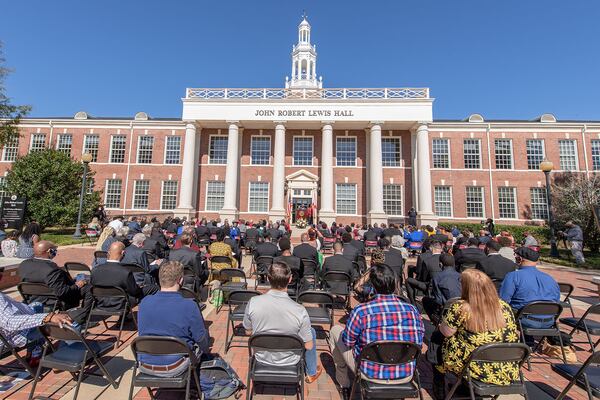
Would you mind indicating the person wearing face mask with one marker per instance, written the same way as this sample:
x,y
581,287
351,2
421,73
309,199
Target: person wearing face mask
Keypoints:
x,y
41,269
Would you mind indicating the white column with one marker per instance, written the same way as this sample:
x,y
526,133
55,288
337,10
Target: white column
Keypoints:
x,y
425,212
188,184
229,210
277,211
326,211
376,213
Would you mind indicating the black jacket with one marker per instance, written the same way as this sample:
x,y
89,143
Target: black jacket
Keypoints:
x,y
189,258
266,249
307,251
359,244
350,252
37,270
114,274
428,265
202,232
339,263
496,267
393,259
371,235
469,256
153,250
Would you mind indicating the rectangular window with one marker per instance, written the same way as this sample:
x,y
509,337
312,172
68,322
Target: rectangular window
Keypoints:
x,y
168,200
535,153
141,191
90,145
11,150
303,150
90,182
173,150
568,155
215,195
539,205
117,149
507,202
391,151
596,155
472,153
474,200
503,149
2,187
64,144
345,198
217,151
442,199
345,151
440,149
112,195
145,147
392,199
260,150
258,197
38,142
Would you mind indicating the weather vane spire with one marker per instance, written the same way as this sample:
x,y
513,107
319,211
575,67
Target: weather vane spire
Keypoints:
x,y
303,14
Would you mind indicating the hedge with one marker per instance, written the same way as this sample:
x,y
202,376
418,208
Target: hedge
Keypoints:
x,y
541,233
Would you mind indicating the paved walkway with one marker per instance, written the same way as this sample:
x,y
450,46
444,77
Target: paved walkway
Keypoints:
x,y
543,383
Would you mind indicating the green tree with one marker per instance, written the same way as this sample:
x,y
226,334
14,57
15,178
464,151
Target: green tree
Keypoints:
x,y
574,196
51,183
10,114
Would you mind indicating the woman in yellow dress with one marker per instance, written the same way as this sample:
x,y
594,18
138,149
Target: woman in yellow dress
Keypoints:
x,y
220,248
478,318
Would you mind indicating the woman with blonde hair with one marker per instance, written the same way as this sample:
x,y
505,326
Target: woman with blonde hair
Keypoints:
x,y
479,317
106,233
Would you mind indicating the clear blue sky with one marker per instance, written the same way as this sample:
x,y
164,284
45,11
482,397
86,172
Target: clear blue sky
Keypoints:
x,y
513,59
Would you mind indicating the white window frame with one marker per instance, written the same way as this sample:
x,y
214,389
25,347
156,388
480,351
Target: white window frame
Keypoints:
x,y
447,140
110,154
262,137
210,161
137,156
166,148
451,202
480,155
162,194
58,143
34,135
355,198
355,139
595,164
512,157
400,158
268,197
106,192
527,154
136,194
13,146
401,199
576,154
2,187
482,191
515,201
206,196
544,204
85,146
312,150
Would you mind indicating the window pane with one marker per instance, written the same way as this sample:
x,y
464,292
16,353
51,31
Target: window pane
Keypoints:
x,y
596,155
141,191
535,153
345,151
258,197
215,195
260,150
303,150
64,144
443,201
173,151
345,198
117,149
90,145
441,153
506,202
568,155
169,195
2,187
112,197
392,199
38,142
217,152
503,153
390,151
11,150
474,202
539,206
145,147
472,153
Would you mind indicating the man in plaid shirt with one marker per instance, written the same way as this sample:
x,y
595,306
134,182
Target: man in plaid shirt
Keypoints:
x,y
383,318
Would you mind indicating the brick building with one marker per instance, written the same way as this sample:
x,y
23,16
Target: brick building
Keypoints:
x,y
350,155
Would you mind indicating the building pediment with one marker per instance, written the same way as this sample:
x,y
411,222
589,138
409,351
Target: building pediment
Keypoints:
x,y
302,176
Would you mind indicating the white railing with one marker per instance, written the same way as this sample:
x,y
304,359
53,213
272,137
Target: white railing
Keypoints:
x,y
308,94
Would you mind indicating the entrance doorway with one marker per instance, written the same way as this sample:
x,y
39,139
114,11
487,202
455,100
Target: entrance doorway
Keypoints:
x,y
301,208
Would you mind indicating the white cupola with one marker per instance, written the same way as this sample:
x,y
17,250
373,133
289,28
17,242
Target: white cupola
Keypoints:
x,y
304,61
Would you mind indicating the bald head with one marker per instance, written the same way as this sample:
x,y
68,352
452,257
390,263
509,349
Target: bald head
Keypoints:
x,y
42,249
116,251
304,237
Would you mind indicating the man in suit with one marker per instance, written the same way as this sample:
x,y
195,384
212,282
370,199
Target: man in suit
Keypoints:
x,y
339,263
371,235
308,252
444,286
494,265
428,265
349,251
393,258
203,233
252,235
235,248
390,231
153,249
112,273
359,244
41,269
135,254
266,248
469,256
274,232
191,259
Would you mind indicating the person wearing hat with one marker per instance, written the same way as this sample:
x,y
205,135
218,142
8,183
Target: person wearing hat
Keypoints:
x,y
528,284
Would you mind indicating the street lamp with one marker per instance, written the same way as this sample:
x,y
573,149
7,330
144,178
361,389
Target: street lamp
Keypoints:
x,y
86,158
546,166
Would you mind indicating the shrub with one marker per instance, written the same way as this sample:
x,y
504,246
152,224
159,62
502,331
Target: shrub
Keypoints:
x,y
541,233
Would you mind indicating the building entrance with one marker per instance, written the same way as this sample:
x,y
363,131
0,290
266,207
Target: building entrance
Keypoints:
x,y
302,209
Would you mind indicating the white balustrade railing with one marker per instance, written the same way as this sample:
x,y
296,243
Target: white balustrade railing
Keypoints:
x,y
308,94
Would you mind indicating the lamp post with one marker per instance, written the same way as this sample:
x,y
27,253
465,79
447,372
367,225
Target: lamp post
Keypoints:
x,y
546,166
86,158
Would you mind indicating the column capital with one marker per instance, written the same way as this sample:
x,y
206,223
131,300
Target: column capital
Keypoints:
x,y
190,125
376,123
324,123
280,123
233,122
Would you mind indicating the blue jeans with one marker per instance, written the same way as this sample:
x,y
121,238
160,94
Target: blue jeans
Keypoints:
x,y
310,356
533,324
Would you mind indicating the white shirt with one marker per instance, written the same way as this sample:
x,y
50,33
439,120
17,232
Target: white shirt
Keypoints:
x,y
116,224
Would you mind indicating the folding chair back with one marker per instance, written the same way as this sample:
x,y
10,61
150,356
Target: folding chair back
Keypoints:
x,y
310,267
315,297
501,352
390,352
134,268
275,342
582,376
541,308
337,277
160,345
190,294
566,289
75,268
242,296
230,273
264,260
100,254
31,292
220,260
53,331
100,292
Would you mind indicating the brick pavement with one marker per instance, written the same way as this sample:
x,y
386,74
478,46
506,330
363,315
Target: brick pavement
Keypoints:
x,y
57,386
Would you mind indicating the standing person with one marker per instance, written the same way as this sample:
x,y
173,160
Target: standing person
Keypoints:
x,y
28,239
529,240
100,213
574,236
490,226
9,245
412,217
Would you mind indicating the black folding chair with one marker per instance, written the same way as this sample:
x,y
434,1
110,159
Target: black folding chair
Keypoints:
x,y
100,254
566,289
586,376
338,283
163,345
137,271
31,292
262,373
73,357
122,307
261,266
589,326
75,268
190,294
388,353
493,353
7,349
311,268
323,313
189,279
237,307
551,311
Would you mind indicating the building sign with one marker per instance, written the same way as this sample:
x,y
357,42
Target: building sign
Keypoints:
x,y
13,211
270,112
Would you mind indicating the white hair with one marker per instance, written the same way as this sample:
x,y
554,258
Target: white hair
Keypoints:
x,y
147,229
124,231
138,239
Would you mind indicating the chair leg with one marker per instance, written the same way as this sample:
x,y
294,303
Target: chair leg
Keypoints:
x,y
118,343
187,384
453,389
249,387
80,378
23,362
418,380
562,347
197,381
589,338
105,372
36,378
471,391
587,386
132,379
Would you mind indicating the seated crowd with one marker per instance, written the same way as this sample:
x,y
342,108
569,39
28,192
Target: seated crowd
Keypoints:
x,y
469,287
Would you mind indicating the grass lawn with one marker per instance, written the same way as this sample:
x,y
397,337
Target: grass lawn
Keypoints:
x,y
62,236
592,260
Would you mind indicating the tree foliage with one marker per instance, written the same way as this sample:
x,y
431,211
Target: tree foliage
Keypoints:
x,y
51,182
10,114
574,197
